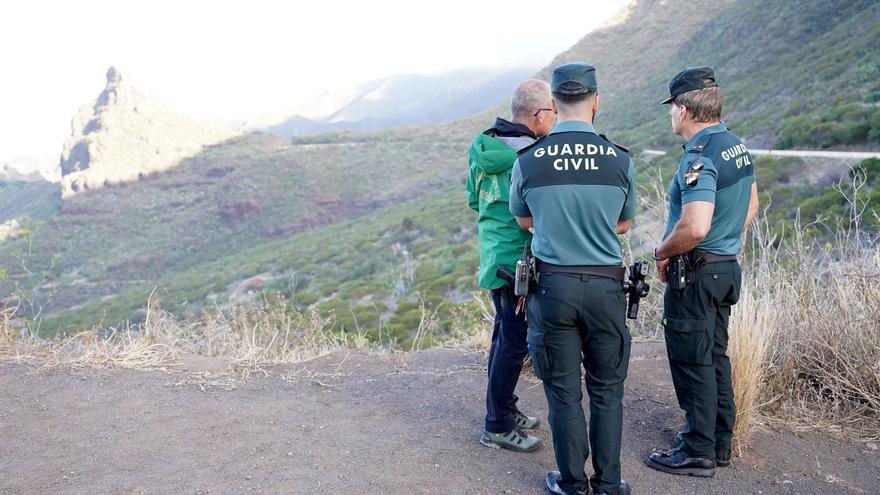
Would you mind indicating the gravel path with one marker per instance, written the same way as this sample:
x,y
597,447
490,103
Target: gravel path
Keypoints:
x,y
350,423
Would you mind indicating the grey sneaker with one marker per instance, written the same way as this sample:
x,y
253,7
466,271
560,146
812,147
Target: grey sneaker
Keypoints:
x,y
526,422
515,439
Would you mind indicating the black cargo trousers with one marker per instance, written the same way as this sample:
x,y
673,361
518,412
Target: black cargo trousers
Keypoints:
x,y
580,320
695,321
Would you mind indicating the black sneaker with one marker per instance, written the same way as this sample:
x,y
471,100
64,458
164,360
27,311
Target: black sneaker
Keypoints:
x,y
677,461
551,482
722,456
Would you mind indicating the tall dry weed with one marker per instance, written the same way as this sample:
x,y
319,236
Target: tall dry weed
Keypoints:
x,y
825,365
752,329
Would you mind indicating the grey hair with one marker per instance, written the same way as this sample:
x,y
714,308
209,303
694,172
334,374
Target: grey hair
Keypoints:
x,y
529,97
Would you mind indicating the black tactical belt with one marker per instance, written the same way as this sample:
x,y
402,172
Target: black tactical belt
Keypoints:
x,y
608,271
710,257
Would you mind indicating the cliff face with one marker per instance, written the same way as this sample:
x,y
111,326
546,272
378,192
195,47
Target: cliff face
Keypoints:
x,y
126,134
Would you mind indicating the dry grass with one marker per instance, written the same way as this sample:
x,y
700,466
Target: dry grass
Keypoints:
x,y
473,324
248,338
821,302
751,333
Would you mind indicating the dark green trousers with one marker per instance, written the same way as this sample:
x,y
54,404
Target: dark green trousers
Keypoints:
x,y
695,320
580,320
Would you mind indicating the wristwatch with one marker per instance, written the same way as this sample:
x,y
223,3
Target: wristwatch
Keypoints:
x,y
656,258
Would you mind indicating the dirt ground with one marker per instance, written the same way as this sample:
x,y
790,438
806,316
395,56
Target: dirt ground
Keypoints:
x,y
351,422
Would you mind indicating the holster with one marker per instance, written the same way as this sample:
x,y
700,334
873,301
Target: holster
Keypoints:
x,y
681,271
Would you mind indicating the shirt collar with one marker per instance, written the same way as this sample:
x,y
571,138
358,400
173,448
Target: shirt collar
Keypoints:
x,y
706,131
506,128
573,126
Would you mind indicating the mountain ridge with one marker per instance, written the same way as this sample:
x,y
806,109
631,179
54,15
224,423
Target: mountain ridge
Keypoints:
x,y
410,99
126,134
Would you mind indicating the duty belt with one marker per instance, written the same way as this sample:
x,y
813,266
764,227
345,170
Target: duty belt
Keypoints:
x,y
708,257
608,271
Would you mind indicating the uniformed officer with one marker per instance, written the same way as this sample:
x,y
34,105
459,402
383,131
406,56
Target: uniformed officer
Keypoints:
x,y
576,189
712,198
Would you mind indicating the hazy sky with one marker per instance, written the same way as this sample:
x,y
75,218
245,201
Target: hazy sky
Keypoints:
x,y
224,60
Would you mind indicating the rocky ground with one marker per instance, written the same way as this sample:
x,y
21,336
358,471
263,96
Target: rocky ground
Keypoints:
x,y
350,422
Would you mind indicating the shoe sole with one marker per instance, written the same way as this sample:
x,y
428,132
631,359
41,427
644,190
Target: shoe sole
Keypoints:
x,y
721,463
698,472
494,445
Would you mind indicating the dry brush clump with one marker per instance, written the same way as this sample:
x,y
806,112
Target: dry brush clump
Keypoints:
x,y
820,301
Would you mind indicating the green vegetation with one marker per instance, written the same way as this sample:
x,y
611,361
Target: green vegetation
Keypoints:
x,y
839,197
841,125
775,60
372,272
33,201
372,227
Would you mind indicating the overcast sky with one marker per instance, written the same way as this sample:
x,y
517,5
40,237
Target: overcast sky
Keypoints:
x,y
225,60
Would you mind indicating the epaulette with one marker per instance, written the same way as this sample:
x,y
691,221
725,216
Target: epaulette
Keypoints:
x,y
701,143
603,136
523,150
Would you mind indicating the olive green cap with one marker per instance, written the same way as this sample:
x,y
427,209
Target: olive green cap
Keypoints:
x,y
574,79
690,79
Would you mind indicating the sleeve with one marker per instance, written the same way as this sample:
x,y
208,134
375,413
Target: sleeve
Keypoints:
x,y
629,206
698,180
472,198
518,206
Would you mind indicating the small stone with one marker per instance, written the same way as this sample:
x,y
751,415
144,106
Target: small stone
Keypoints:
x,y
871,445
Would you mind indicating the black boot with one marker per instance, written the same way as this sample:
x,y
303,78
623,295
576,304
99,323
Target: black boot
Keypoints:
x,y
677,461
722,456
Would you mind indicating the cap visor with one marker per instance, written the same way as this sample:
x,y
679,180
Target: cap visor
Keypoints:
x,y
667,100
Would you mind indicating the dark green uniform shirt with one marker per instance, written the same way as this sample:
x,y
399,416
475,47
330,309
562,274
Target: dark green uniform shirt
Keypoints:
x,y
576,185
718,168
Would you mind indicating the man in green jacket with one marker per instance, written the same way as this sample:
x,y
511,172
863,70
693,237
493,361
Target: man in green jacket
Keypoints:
x,y
492,154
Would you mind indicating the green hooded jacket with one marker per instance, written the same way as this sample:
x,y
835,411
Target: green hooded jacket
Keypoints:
x,y
491,159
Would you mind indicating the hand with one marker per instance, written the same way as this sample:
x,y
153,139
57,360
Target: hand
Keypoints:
x,y
661,269
532,230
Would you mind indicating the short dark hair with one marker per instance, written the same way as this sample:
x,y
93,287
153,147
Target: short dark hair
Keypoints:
x,y
570,100
703,104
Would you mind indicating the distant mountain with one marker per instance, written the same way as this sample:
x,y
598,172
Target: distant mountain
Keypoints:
x,y
126,134
30,170
409,99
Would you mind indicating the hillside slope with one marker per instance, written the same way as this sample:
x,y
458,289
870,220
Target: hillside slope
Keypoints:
x,y
777,62
370,224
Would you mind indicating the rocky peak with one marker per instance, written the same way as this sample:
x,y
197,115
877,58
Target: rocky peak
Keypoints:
x,y
125,134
